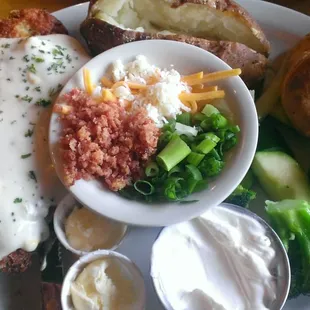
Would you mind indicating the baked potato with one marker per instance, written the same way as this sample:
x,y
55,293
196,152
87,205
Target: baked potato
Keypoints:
x,y
295,95
219,26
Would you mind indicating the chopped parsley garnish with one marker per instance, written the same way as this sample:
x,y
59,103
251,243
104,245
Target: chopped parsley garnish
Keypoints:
x,y
32,46
43,43
7,45
1,111
16,96
9,80
26,98
18,200
24,80
26,58
68,58
29,133
41,51
37,59
38,89
27,88
32,175
11,58
25,156
13,122
32,68
43,102
56,52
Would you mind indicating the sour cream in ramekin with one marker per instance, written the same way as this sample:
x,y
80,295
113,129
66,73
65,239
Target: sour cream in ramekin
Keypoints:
x,y
224,259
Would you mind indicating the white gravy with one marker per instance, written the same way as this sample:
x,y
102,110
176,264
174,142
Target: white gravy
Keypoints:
x,y
32,71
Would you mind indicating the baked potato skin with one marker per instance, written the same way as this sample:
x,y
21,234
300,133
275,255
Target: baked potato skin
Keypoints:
x,y
296,95
101,36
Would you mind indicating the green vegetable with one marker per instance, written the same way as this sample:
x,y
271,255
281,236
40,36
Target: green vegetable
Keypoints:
x,y
205,146
151,169
144,187
211,167
195,158
208,143
174,152
173,189
291,220
174,170
218,121
184,118
281,176
241,196
209,109
193,172
199,117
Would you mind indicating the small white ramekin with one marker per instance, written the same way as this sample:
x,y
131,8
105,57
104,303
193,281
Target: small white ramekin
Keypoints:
x,y
62,212
85,260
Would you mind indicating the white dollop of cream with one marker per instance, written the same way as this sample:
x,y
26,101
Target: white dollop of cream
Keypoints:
x,y
104,284
32,71
87,231
220,260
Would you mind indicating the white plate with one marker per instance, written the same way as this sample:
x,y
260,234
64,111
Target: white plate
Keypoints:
x,y
283,28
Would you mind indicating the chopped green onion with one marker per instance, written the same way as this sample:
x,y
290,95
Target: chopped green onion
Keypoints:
x,y
199,117
193,172
205,146
228,144
208,135
209,109
173,189
235,129
210,167
218,121
151,169
170,126
206,124
185,130
144,187
195,158
208,143
174,152
174,170
164,139
214,153
184,118
191,185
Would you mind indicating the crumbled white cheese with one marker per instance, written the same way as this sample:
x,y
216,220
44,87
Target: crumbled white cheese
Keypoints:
x,y
118,71
123,92
161,100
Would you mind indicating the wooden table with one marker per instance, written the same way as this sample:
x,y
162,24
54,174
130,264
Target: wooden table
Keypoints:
x,y
52,5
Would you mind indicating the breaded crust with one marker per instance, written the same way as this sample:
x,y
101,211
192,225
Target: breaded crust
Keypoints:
x,y
30,22
16,262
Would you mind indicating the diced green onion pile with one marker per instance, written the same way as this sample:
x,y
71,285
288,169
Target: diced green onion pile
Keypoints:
x,y
190,151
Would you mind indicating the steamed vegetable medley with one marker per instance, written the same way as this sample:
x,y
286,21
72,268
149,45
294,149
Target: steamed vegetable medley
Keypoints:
x,y
191,151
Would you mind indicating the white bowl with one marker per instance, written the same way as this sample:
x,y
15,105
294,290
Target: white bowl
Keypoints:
x,y
280,266
63,210
79,265
186,59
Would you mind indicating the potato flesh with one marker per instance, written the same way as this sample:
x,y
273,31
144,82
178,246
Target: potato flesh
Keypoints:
x,y
192,19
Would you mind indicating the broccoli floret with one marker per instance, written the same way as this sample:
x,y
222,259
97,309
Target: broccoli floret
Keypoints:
x,y
241,196
291,220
